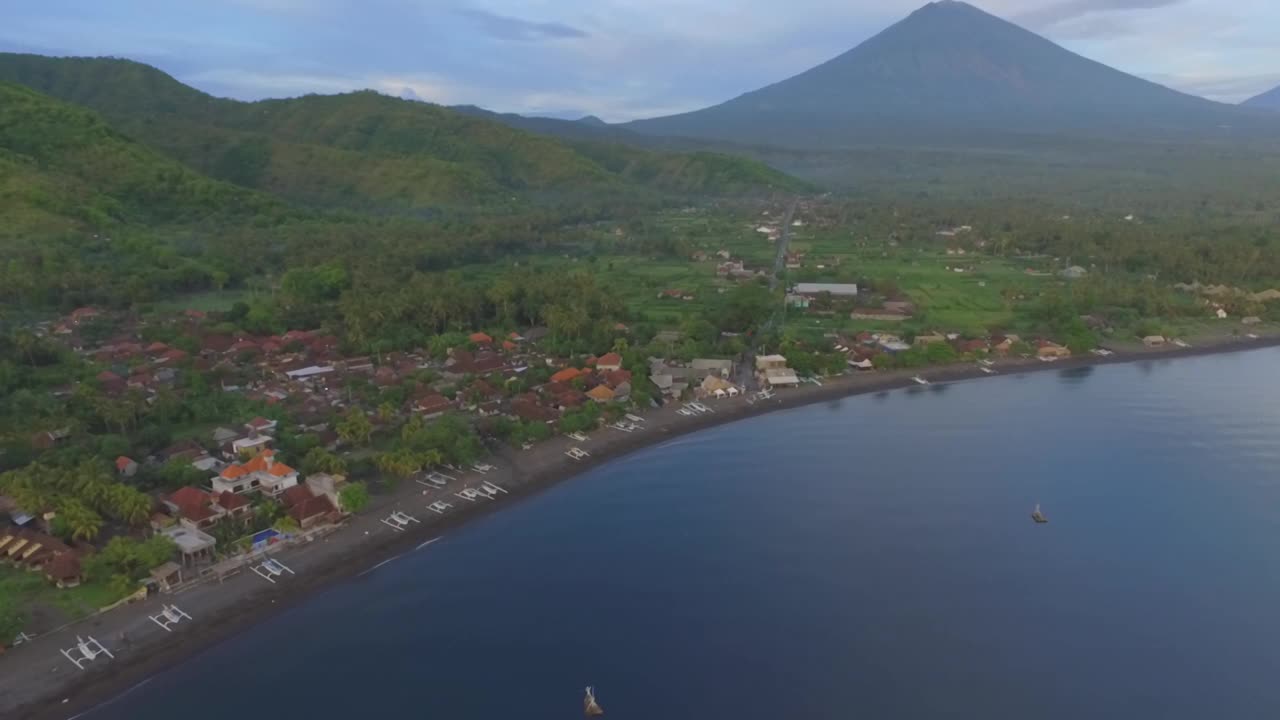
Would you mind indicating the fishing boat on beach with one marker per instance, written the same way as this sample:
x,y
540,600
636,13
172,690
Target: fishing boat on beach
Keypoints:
x,y
590,707
919,380
1038,516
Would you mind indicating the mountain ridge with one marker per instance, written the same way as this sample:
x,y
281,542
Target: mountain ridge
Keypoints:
x,y
365,150
1269,100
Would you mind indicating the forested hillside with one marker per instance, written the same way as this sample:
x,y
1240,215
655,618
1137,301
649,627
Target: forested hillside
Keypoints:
x,y
368,151
64,166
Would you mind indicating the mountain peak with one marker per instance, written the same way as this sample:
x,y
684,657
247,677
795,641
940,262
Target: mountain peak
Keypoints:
x,y
947,66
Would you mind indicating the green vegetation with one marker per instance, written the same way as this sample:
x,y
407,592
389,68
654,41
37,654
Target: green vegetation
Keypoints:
x,y
354,497
368,151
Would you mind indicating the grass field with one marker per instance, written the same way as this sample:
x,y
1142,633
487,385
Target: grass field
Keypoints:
x,y
37,597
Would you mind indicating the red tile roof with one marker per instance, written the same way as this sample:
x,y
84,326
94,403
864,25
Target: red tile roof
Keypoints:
x,y
232,501
609,359
566,375
189,496
480,338
312,507
64,566
295,495
123,462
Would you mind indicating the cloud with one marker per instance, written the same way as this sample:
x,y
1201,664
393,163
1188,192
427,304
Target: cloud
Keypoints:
x,y
505,27
1065,10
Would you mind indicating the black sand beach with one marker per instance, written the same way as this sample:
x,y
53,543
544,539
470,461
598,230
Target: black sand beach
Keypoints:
x,y
37,682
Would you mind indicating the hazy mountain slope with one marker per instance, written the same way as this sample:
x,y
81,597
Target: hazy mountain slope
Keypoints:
x,y
948,66
1269,100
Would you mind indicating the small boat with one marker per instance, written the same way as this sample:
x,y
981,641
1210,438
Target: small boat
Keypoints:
x,y
1038,516
590,707
919,380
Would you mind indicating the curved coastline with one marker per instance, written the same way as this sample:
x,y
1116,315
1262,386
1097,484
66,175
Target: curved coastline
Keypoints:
x,y
349,553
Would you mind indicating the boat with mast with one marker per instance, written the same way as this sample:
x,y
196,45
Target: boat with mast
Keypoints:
x,y
1038,516
590,707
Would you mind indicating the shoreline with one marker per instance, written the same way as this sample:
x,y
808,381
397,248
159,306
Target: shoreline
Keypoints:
x,y
35,693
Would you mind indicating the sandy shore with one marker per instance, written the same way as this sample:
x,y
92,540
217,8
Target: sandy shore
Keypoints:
x,y
38,683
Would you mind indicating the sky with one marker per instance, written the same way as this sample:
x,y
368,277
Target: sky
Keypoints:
x,y
617,59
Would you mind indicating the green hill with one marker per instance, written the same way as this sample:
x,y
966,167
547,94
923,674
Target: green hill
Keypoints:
x,y
369,151
65,168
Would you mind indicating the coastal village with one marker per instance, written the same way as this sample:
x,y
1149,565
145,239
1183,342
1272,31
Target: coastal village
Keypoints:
x,y
295,439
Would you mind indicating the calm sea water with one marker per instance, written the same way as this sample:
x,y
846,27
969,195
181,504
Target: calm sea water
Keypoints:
x,y
868,558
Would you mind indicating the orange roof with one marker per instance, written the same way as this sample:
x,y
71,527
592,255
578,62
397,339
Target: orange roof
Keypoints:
x,y
566,375
480,337
508,345
259,463
280,470
612,358
600,392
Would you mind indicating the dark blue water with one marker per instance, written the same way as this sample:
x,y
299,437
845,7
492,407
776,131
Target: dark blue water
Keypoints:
x,y
867,558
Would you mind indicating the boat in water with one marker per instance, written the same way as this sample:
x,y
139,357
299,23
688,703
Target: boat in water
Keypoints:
x,y
1038,516
590,707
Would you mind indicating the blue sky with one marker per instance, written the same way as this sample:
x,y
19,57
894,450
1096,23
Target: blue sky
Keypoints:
x,y
619,59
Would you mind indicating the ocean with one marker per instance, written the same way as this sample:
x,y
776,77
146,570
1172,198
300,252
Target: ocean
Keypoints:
x,y
872,557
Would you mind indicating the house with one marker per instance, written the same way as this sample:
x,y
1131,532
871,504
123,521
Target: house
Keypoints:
x,y
63,569
707,366
432,405
261,425
566,375
1047,349
609,361
846,290
1221,314
1152,341
262,473
781,377
715,385
126,467
797,301
234,505
249,445
193,507
1004,345
527,408
308,509
616,378
601,393
194,545
770,362
1075,272
223,435
971,347
327,485
479,338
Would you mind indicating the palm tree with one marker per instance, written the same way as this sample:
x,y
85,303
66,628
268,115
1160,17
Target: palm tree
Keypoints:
x,y
83,523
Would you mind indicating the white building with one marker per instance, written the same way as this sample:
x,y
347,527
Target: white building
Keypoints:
x,y
261,474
